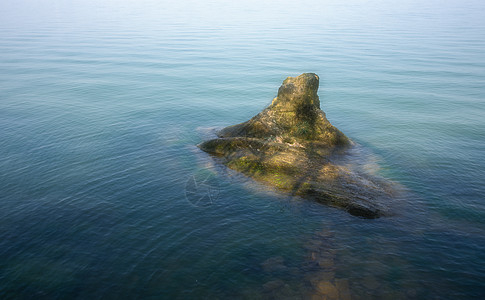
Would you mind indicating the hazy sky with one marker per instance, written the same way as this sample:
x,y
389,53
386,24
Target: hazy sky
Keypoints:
x,y
284,13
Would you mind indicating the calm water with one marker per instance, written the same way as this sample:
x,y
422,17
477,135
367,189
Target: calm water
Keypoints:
x,y
101,106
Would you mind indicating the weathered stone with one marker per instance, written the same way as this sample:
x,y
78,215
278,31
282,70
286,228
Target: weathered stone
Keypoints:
x,y
325,233
326,263
314,245
329,253
328,289
327,275
292,146
313,256
273,284
317,297
343,287
371,282
317,277
274,264
286,292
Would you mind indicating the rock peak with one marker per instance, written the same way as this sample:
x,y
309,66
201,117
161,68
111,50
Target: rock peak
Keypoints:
x,y
292,146
299,91
293,116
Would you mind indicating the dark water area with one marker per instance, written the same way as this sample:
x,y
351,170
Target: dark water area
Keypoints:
x,y
104,194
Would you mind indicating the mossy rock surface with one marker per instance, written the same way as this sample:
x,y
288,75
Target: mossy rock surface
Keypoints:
x,y
292,146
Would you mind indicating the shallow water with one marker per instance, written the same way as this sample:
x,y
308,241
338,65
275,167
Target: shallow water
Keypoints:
x,y
105,195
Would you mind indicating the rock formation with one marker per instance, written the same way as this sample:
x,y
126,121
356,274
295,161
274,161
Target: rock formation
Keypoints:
x,y
291,145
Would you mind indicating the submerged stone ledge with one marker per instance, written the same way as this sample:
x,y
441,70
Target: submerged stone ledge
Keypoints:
x,y
292,146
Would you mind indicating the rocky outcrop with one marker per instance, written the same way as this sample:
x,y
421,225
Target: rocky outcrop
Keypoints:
x,y
291,145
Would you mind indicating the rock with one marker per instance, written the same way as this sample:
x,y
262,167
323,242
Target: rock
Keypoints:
x,y
371,283
343,288
313,256
325,233
327,275
328,289
317,297
274,264
272,285
316,278
285,292
326,263
293,116
292,146
314,245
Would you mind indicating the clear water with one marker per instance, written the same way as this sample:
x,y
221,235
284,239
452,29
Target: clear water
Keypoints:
x,y
102,104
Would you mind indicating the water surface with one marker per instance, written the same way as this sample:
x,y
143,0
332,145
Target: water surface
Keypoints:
x,y
102,104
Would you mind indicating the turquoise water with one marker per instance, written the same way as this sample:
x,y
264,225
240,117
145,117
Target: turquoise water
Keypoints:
x,y
101,106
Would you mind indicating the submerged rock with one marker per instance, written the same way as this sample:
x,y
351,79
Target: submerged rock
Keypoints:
x,y
291,145
274,264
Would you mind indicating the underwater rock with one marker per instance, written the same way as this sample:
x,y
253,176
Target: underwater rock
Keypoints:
x,y
343,288
292,146
274,264
328,289
272,285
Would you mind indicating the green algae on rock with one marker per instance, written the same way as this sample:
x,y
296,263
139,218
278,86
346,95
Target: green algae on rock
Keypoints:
x,y
292,146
